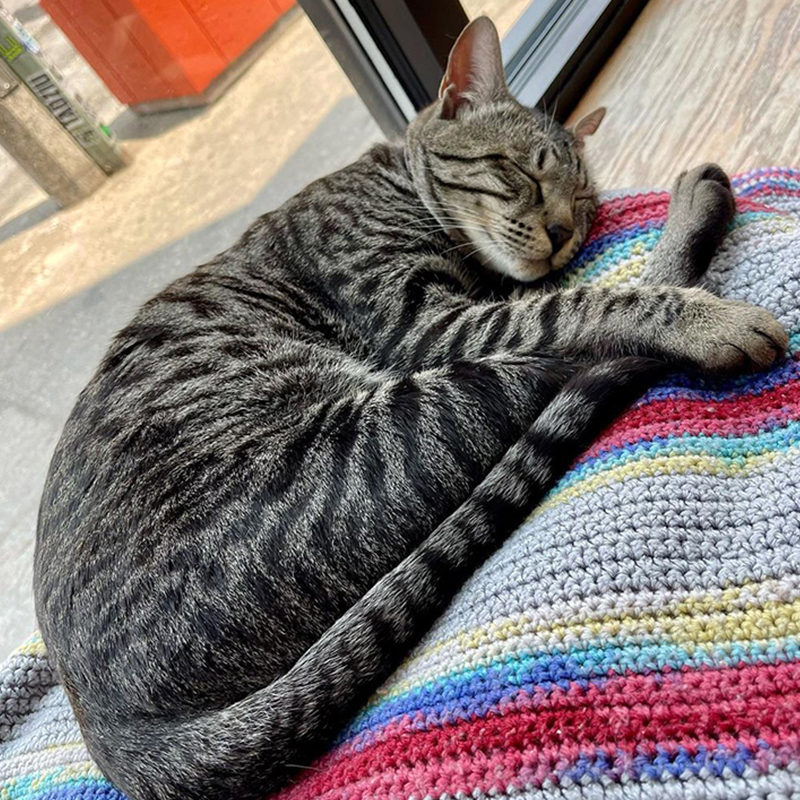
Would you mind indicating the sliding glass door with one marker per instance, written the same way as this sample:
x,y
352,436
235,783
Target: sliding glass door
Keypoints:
x,y
557,47
395,51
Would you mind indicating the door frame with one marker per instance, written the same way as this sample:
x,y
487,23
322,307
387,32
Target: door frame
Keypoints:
x,y
395,51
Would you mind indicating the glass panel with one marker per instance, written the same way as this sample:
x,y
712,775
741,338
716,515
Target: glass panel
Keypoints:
x,y
504,13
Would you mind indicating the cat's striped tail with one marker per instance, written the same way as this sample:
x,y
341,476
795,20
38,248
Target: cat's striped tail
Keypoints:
x,y
252,747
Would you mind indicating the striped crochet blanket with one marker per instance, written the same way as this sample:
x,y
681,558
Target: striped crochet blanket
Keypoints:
x,y
638,637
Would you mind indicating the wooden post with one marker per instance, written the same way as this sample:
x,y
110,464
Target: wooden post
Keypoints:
x,y
52,137
37,142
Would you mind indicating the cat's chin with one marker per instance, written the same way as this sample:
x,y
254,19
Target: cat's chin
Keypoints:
x,y
535,270
522,270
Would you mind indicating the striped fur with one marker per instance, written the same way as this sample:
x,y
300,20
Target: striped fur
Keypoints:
x,y
292,457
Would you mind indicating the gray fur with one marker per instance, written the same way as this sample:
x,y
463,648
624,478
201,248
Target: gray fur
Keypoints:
x,y
291,458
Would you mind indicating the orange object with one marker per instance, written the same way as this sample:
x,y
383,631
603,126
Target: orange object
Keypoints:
x,y
163,52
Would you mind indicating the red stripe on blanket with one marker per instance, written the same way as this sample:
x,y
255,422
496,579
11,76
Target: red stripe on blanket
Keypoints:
x,y
624,213
546,731
737,416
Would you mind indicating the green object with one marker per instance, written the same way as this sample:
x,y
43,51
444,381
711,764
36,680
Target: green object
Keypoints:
x,y
22,54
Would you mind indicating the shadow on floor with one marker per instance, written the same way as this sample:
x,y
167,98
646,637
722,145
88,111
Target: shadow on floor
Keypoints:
x,y
130,125
29,13
33,216
47,359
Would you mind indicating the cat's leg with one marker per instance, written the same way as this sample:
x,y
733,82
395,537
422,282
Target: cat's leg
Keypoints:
x,y
683,326
677,325
700,211
674,324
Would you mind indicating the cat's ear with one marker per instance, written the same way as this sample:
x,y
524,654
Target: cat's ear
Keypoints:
x,y
474,69
587,125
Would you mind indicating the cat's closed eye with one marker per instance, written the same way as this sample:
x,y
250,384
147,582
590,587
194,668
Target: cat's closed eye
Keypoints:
x,y
533,181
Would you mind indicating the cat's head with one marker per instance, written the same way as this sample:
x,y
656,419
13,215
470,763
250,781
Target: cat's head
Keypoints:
x,y
503,179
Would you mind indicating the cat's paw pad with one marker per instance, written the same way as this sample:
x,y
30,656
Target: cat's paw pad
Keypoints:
x,y
739,337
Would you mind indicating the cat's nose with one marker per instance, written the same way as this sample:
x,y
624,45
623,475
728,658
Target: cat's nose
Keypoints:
x,y
558,235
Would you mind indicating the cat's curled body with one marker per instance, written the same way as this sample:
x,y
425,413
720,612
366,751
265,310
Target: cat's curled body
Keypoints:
x,y
292,457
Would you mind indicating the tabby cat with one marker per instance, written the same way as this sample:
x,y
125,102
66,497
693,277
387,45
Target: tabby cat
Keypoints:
x,y
292,457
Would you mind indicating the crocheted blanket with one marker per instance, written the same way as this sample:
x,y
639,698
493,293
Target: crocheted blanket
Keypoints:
x,y
636,638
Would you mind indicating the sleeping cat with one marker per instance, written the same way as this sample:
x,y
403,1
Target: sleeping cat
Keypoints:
x,y
291,458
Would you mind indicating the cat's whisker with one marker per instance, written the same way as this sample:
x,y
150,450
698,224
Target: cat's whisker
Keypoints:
x,y
475,248
470,254
431,226
428,229
432,229
473,218
450,207
462,244
553,116
452,218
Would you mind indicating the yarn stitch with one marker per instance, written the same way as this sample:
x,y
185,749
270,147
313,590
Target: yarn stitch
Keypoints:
x,y
637,638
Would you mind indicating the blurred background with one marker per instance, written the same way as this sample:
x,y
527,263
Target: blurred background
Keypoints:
x,y
142,137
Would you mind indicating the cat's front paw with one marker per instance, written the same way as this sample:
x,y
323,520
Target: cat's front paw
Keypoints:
x,y
730,336
701,208
700,211
703,202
